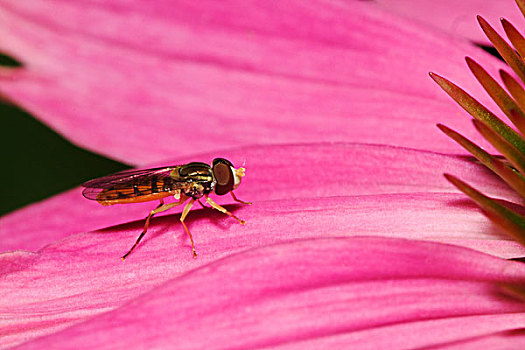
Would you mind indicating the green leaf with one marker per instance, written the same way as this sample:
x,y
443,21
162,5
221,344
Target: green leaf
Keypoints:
x,y
516,158
521,5
480,112
515,88
498,94
509,175
509,220
514,36
509,55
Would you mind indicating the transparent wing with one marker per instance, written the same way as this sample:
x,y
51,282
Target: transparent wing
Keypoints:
x,y
127,176
131,183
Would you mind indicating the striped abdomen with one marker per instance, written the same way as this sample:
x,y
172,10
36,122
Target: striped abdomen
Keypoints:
x,y
143,189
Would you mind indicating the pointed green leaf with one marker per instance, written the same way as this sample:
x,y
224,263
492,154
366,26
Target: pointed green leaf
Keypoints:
x,y
507,52
517,40
480,112
515,88
514,290
510,176
510,221
498,94
521,5
516,158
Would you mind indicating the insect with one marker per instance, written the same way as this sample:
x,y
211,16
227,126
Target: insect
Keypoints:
x,y
186,183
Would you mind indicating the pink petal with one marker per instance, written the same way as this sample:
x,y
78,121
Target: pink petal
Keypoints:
x,y
366,292
140,83
497,341
456,17
399,186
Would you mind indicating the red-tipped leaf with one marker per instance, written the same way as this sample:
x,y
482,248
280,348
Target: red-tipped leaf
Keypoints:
x,y
511,177
515,89
505,50
498,94
514,36
480,112
509,220
516,158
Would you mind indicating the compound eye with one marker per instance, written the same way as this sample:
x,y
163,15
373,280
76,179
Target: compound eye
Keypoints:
x,y
221,160
224,175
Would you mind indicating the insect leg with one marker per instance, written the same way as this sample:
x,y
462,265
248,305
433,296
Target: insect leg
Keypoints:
x,y
238,200
223,210
160,208
202,205
182,217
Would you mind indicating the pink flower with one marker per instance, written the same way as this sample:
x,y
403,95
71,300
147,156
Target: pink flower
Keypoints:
x,y
334,292
135,81
334,114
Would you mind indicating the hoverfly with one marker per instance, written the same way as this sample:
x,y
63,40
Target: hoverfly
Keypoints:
x,y
188,182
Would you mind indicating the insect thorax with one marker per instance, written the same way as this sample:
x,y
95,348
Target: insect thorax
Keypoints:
x,y
197,177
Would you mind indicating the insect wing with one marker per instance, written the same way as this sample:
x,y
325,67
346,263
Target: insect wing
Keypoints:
x,y
138,177
126,176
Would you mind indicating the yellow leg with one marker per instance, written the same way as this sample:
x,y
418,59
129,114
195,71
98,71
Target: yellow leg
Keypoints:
x,y
223,210
238,200
160,208
182,217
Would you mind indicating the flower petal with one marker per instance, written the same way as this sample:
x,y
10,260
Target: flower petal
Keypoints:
x,y
82,274
308,173
457,18
172,78
302,294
